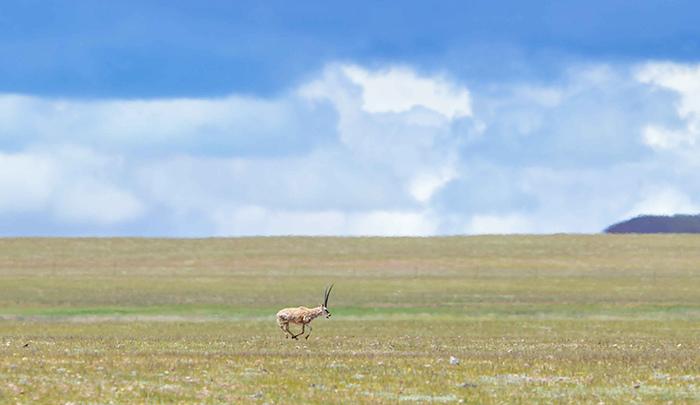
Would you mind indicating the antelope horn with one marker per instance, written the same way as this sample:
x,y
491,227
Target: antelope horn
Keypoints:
x,y
326,294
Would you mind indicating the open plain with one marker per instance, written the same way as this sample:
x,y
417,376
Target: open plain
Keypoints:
x,y
490,319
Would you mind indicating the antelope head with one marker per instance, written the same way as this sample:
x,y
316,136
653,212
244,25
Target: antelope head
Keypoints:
x,y
326,293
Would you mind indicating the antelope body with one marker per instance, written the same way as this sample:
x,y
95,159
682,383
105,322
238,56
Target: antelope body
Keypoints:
x,y
303,316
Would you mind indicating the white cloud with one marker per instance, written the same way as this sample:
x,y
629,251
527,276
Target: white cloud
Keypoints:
x,y
416,145
661,138
387,223
97,203
400,89
69,184
231,124
663,201
360,151
684,80
376,178
424,185
510,223
26,182
255,220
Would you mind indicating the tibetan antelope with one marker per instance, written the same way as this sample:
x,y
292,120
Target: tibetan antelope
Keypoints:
x,y
303,316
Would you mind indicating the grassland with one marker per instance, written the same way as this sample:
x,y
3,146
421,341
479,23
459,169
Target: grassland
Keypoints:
x,y
549,319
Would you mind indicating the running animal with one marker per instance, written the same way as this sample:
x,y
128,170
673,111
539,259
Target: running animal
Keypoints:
x,y
303,316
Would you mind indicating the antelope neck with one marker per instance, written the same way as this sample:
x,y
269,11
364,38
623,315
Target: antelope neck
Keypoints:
x,y
317,311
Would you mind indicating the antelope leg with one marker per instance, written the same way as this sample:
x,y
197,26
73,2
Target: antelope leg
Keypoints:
x,y
285,329
309,334
300,333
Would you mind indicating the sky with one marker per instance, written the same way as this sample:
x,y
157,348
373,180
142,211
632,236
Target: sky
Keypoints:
x,y
219,118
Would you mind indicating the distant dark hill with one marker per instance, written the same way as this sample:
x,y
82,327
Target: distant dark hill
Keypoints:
x,y
658,224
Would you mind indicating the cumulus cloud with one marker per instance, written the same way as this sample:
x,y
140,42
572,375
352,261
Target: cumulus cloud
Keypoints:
x,y
424,185
661,138
684,81
194,126
508,223
26,182
400,89
412,137
663,201
257,220
326,158
99,203
360,151
566,156
66,185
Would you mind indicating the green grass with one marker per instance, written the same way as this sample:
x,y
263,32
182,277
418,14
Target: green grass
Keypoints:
x,y
548,319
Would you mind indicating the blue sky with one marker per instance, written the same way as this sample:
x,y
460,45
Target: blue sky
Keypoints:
x,y
172,118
